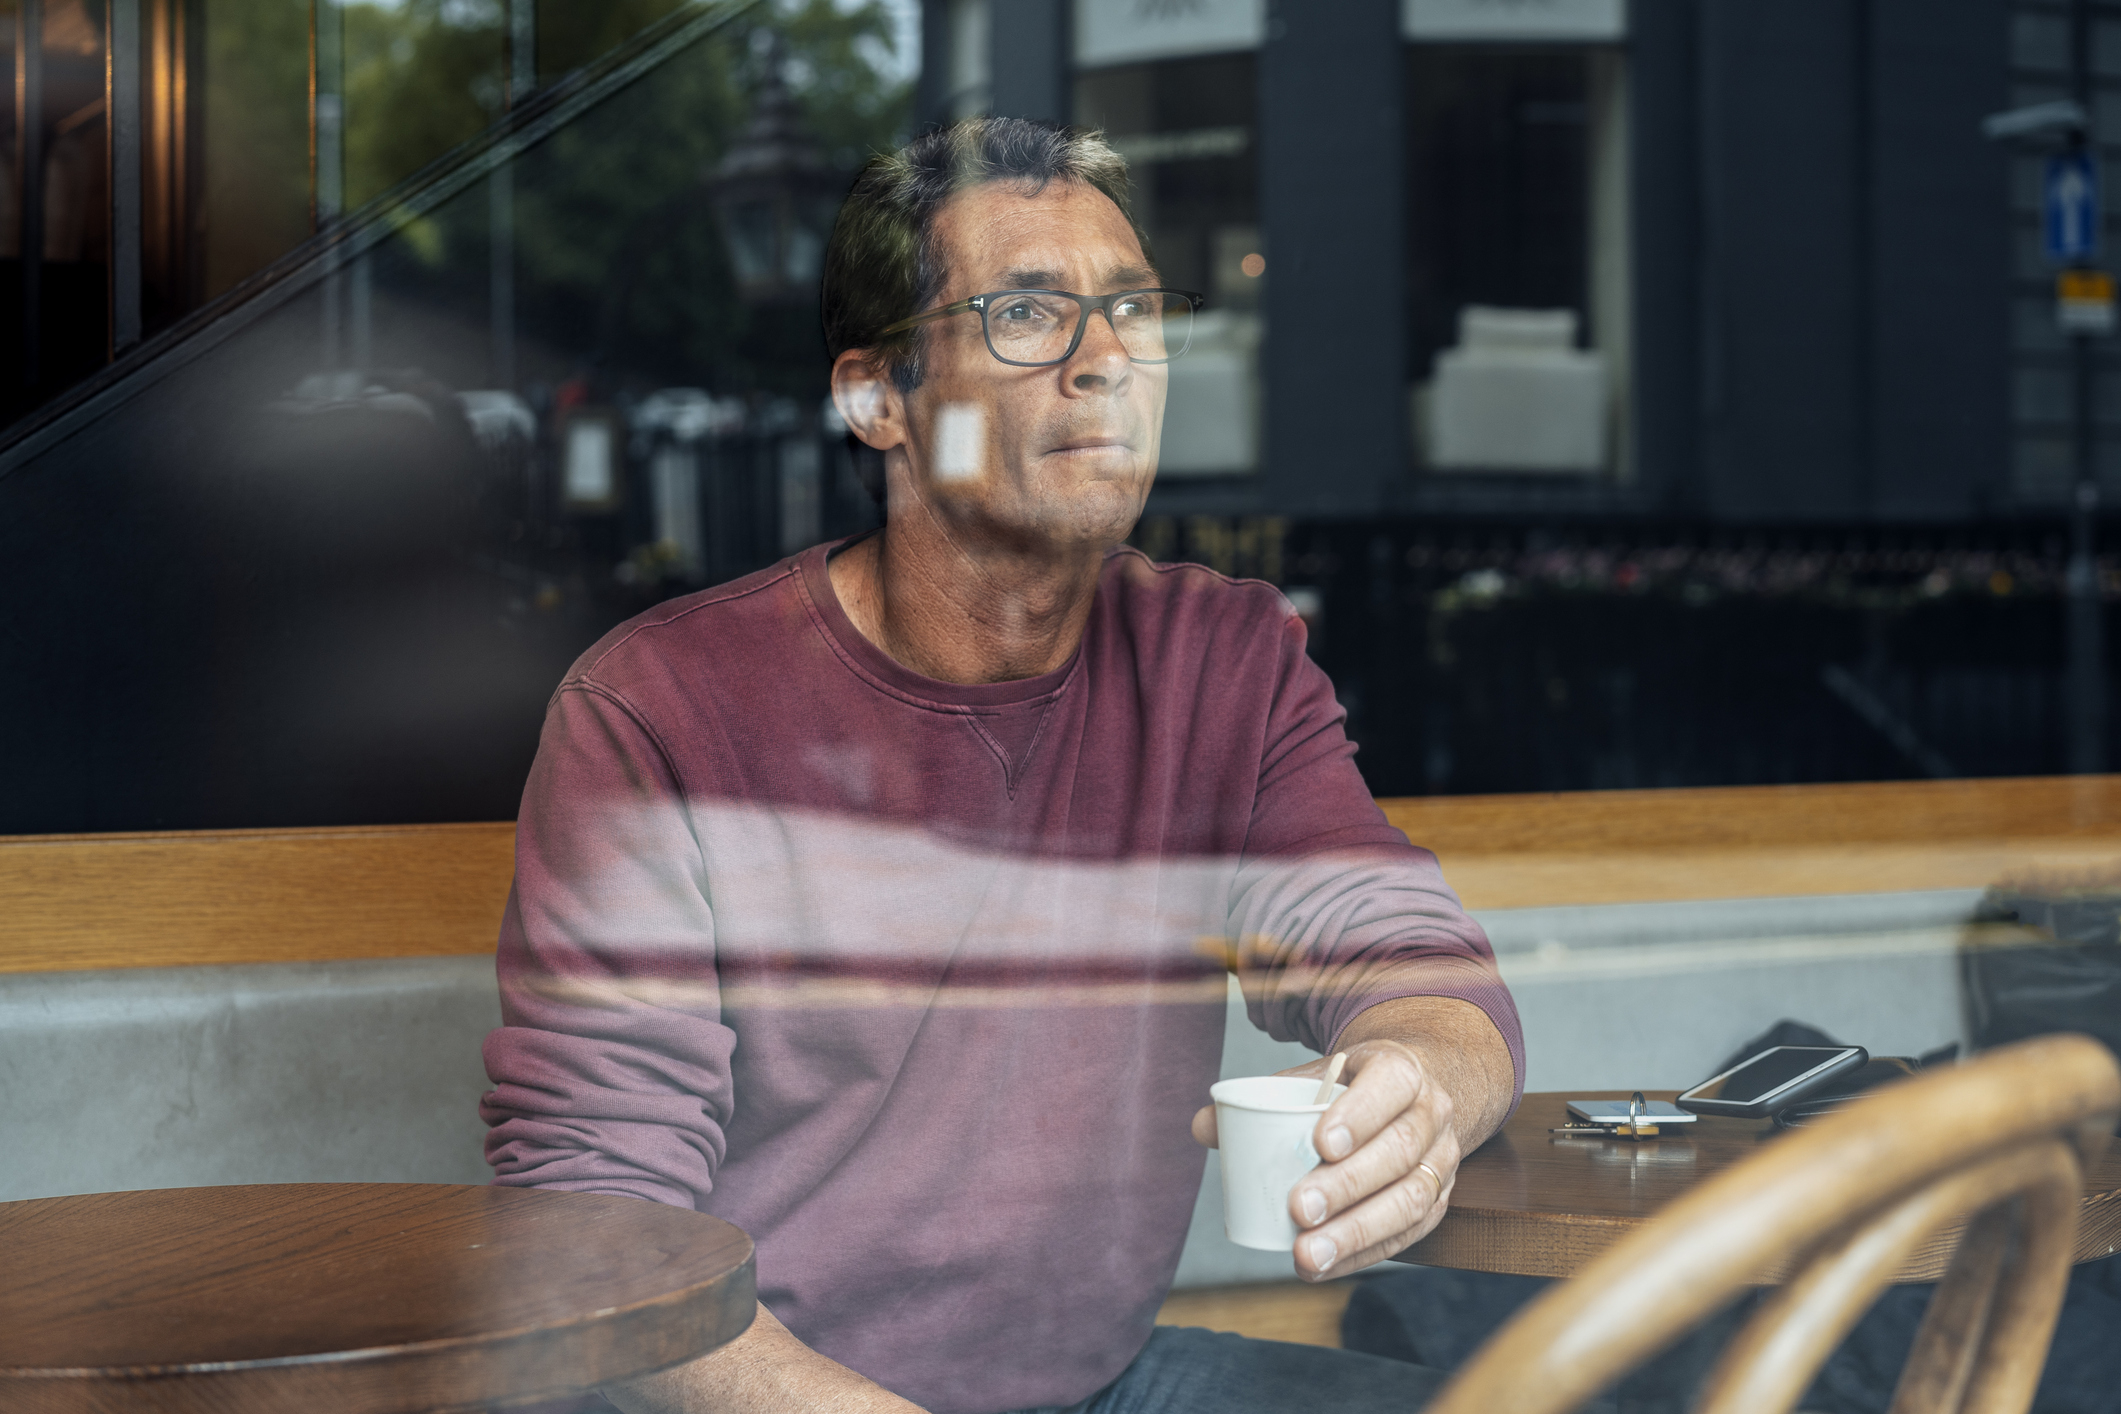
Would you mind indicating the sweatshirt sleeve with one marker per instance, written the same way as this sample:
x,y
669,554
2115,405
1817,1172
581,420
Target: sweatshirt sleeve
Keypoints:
x,y
611,1068
1333,911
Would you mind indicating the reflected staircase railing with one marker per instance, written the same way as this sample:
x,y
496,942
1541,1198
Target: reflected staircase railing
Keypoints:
x,y
333,250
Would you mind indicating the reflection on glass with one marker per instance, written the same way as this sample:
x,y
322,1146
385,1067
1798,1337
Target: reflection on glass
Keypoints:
x,y
265,121
1517,268
246,134
1516,392
1185,127
54,286
589,481
421,76
370,506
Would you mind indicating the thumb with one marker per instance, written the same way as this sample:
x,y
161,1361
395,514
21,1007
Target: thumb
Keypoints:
x,y
1204,1127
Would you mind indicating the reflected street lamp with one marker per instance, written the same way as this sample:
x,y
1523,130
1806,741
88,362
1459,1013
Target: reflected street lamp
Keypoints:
x,y
775,195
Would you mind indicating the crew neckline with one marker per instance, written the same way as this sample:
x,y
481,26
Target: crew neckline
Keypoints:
x,y
874,663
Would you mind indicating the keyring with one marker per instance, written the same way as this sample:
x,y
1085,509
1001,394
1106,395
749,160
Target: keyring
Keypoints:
x,y
1640,1123
1638,1126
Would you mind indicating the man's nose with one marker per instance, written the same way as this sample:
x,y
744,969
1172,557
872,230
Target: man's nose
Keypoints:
x,y
1100,358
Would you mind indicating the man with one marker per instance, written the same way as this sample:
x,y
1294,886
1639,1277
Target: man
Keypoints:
x,y
881,902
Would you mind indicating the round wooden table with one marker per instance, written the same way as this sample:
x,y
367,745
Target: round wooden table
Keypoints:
x,y
357,1298
1542,1204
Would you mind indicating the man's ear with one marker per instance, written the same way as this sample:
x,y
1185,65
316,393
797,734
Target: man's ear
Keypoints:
x,y
868,401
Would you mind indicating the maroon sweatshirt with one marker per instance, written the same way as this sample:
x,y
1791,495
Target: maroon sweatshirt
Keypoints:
x,y
919,983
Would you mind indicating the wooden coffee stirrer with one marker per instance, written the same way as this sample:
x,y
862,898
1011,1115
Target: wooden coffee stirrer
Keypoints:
x,y
1333,1069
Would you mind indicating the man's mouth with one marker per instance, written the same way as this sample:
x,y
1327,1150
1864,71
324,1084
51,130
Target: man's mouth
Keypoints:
x,y
1092,444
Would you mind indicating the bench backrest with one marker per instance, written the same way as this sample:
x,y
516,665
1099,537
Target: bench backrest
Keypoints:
x,y
76,902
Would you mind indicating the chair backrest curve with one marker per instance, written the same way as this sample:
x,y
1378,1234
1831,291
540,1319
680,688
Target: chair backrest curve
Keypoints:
x,y
1804,1193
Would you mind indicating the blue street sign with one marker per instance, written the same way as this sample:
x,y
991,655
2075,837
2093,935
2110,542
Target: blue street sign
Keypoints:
x,y
2072,206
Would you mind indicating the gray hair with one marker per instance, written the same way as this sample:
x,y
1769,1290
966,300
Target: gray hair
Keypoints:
x,y
883,263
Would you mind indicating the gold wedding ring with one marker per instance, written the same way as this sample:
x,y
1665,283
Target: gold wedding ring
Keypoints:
x,y
1423,1165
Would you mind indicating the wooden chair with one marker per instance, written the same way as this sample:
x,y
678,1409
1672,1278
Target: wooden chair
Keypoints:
x,y
1832,1212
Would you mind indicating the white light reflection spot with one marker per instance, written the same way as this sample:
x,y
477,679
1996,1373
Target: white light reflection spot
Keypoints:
x,y
960,442
866,400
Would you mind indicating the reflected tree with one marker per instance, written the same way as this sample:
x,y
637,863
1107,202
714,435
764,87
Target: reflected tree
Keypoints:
x,y
620,260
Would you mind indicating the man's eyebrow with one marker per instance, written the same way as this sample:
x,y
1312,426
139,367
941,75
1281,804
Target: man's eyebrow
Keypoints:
x,y
1119,277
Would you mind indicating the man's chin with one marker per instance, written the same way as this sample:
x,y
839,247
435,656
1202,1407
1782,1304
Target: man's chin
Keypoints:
x,y
1093,515
1101,511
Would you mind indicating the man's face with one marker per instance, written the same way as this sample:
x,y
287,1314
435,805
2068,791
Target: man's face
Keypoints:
x,y
1061,455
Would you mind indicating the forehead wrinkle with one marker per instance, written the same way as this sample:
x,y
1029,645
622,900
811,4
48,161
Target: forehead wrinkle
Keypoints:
x,y
983,223
1116,277
1022,279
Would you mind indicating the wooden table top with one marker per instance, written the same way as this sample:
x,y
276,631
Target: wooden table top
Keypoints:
x,y
1542,1204
354,1297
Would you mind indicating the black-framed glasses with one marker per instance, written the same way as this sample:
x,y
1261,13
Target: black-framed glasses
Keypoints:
x,y
1037,328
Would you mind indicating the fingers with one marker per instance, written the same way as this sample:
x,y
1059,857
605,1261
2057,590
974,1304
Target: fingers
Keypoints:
x,y
1361,1158
1389,1159
1422,1132
1371,1197
1384,1080
1386,1222
1204,1127
1380,1227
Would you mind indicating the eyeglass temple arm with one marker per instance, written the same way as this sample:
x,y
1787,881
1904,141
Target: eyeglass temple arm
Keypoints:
x,y
949,309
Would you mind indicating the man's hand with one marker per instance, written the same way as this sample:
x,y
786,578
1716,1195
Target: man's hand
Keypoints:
x,y
1389,1148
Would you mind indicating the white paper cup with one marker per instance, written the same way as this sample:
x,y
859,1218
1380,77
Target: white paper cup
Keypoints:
x,y
1263,1127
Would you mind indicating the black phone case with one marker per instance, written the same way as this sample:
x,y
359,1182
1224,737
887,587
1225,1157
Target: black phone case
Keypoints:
x,y
1882,1070
1761,1109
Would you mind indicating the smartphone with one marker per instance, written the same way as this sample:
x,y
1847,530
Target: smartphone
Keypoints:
x,y
1846,1089
1774,1078
1616,1112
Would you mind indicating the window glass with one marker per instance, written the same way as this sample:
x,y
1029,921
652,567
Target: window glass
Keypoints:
x,y
420,76
243,143
1186,127
1516,258
571,34
69,244
514,404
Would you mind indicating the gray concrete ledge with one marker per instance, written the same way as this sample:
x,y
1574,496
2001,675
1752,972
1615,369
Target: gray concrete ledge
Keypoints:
x,y
308,1072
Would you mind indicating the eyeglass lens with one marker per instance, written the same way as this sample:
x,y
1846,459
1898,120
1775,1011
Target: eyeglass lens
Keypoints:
x,y
1029,326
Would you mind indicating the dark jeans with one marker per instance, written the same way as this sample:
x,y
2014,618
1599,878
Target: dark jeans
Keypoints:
x,y
1187,1371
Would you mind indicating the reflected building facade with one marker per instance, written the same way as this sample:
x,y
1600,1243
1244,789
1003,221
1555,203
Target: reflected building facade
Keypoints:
x,y
1730,418
1630,392
1642,258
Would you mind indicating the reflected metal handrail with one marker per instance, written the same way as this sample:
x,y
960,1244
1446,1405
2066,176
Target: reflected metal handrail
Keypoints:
x,y
331,250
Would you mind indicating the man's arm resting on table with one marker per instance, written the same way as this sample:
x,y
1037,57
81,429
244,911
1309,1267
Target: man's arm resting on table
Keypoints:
x,y
1429,1079
763,1371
